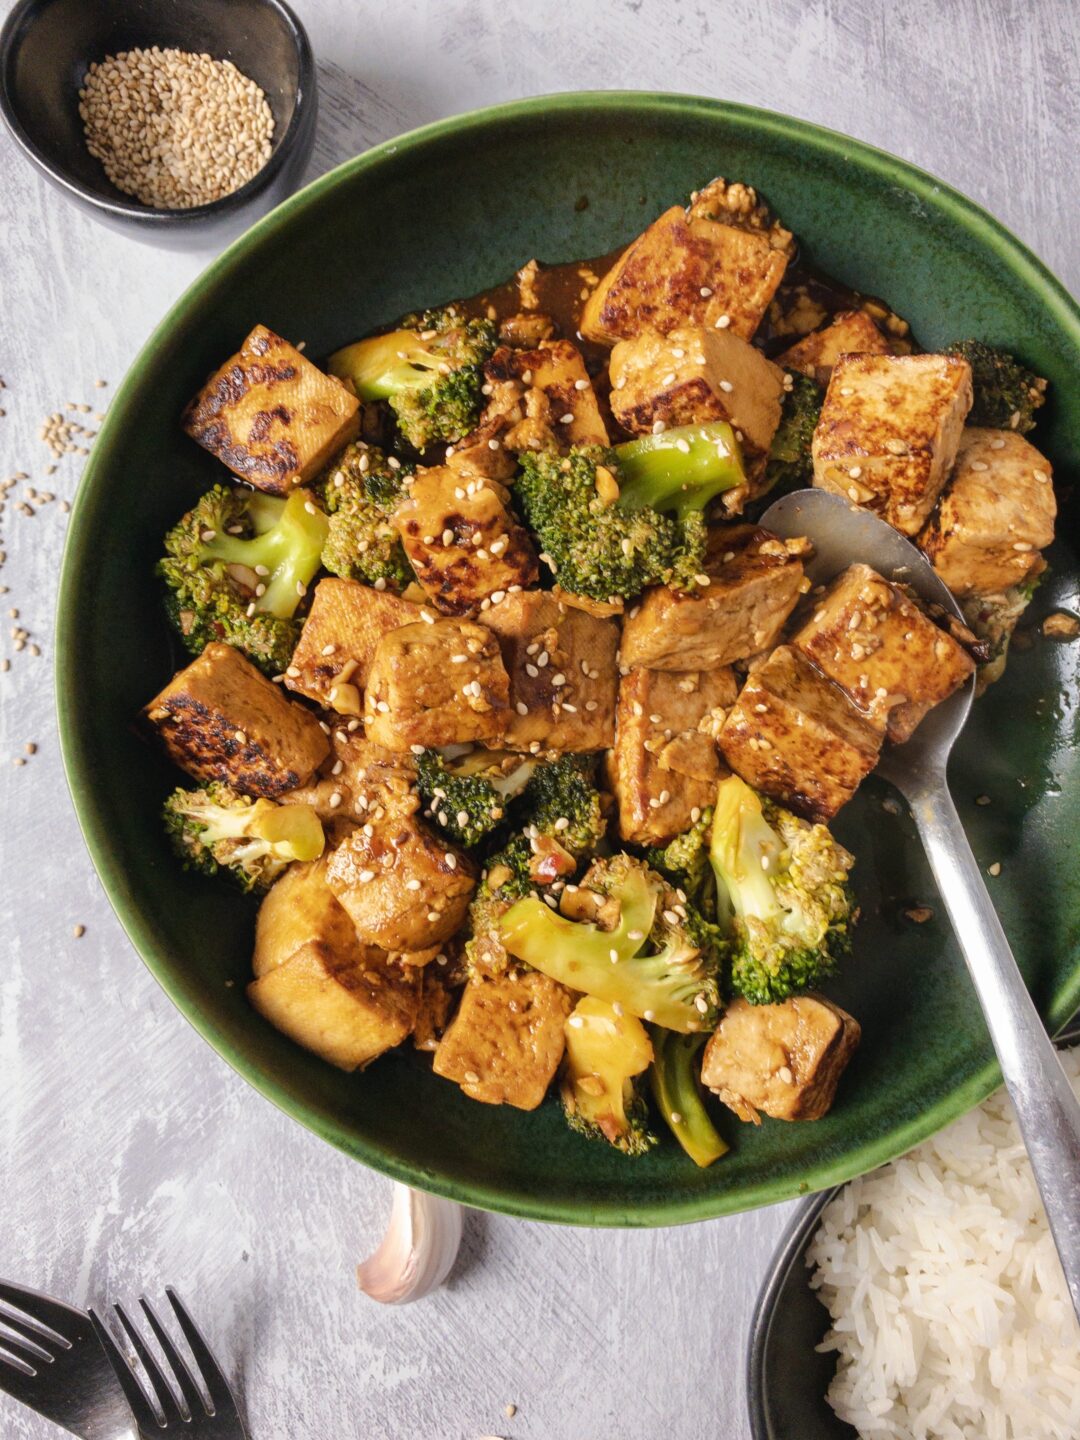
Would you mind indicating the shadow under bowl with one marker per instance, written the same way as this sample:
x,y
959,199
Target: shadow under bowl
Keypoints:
x,y
46,47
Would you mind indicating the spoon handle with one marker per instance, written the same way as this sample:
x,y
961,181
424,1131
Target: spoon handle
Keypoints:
x,y
1047,1109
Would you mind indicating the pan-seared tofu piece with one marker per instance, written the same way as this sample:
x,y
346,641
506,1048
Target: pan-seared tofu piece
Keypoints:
x,y
221,719
561,664
271,416
545,396
755,581
794,735
996,514
889,431
297,910
359,781
718,262
505,1043
664,767
333,657
405,888
782,1060
349,1007
462,539
436,684
883,650
851,332
693,375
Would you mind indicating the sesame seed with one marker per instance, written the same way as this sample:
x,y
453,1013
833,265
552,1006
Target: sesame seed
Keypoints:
x,y
722,322
521,708
335,799
462,817
78,931
726,386
979,465
412,884
471,1077
995,869
417,749
613,955
659,426
329,649
706,291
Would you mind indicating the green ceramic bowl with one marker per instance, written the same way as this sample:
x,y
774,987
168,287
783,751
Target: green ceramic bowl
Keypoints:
x,y
446,211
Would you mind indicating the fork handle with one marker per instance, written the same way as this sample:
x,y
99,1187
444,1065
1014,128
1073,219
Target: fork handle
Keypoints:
x,y
1047,1109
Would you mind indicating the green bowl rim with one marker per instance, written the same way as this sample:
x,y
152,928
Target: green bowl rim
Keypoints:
x,y
680,1209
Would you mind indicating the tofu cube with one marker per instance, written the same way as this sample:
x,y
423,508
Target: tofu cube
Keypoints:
x,y
664,766
349,1008
851,332
883,651
558,405
436,684
297,910
357,778
996,514
221,719
794,735
686,269
507,1039
404,888
782,1060
889,431
331,662
561,663
462,540
272,416
755,581
691,376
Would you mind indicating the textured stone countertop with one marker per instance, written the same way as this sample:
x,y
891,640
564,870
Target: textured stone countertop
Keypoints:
x,y
131,1155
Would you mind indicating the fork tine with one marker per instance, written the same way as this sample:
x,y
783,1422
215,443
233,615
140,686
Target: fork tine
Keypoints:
x,y
35,1337
141,1408
43,1310
31,1355
161,1387
184,1377
217,1387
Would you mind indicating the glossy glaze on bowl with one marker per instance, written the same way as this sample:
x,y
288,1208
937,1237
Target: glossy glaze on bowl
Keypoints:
x,y
445,212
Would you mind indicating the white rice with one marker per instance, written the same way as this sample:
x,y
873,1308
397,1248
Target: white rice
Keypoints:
x,y
951,1318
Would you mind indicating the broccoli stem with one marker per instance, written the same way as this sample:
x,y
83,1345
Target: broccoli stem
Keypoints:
x,y
288,542
679,470
674,1083
745,850
384,365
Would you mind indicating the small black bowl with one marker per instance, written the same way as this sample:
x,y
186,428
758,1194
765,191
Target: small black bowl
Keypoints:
x,y
46,47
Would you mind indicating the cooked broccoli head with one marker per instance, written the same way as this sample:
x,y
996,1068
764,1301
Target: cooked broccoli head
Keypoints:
x,y
679,471
508,877
645,951
360,492
561,801
594,546
215,829
788,884
467,795
674,1077
685,862
791,465
237,566
1006,393
606,1050
430,370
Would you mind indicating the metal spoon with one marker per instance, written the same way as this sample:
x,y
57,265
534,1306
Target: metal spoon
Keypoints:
x,y
1046,1108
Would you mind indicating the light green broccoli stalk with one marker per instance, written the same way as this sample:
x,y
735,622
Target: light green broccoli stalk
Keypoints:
x,y
216,830
675,1080
679,471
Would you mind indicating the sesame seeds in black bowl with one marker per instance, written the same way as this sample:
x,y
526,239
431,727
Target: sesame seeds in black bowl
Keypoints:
x,y
183,120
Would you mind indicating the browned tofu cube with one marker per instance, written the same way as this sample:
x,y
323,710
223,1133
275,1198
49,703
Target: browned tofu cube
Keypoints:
x,y
462,539
333,657
297,910
221,719
664,768
794,735
271,416
691,376
442,683
359,780
561,664
348,1008
691,268
995,515
404,888
545,397
851,332
883,650
505,1043
782,1060
889,431
755,581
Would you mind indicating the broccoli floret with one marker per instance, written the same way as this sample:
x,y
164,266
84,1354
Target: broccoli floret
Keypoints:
x,y
994,618
506,879
431,370
1006,393
606,1051
790,465
215,829
679,471
674,1078
561,801
360,493
592,545
656,960
467,796
237,566
787,882
685,862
